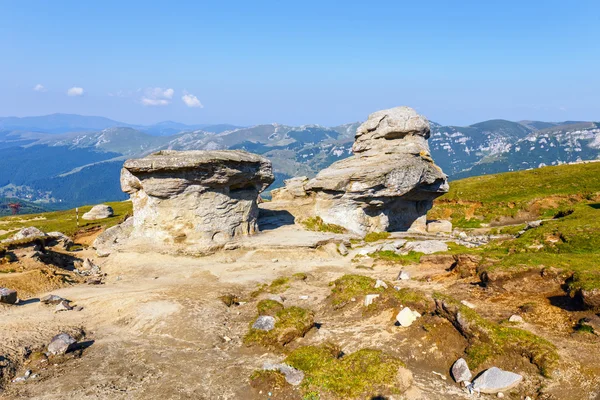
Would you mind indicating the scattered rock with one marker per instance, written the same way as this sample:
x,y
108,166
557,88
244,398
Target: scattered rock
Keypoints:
x,y
87,268
379,283
467,304
370,298
61,344
292,376
264,323
275,297
495,380
29,232
500,395
425,246
342,249
52,299
516,318
388,247
406,317
22,378
63,306
213,193
534,224
389,183
460,371
8,296
398,244
439,227
403,276
78,308
304,297
274,260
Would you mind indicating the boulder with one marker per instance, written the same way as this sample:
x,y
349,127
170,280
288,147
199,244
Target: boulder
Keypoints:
x,y
425,246
294,188
495,380
61,343
460,371
27,233
439,227
516,319
63,306
389,183
205,198
101,211
107,241
8,296
292,376
264,323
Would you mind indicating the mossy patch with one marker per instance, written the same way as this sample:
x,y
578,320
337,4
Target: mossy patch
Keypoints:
x,y
364,373
318,225
290,323
278,285
376,236
405,259
352,286
269,307
488,339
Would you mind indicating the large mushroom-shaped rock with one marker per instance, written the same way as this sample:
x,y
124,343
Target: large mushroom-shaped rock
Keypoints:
x,y
101,211
389,183
203,198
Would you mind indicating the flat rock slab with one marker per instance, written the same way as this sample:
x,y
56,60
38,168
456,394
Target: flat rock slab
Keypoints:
x,y
61,343
264,323
425,246
52,299
495,380
460,371
406,317
8,296
292,376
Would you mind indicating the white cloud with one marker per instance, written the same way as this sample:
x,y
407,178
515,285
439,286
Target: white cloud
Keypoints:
x,y
39,88
75,91
191,101
157,96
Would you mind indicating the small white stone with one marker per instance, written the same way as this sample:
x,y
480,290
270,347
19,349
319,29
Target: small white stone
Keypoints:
x,y
370,298
304,297
403,276
406,317
500,395
516,318
274,260
379,283
467,304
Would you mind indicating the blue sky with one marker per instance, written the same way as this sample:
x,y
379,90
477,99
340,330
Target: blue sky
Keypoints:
x,y
457,62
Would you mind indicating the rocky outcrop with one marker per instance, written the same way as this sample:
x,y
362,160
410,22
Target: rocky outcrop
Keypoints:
x,y
101,211
202,198
388,184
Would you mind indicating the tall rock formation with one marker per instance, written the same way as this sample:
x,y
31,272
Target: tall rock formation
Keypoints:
x,y
388,184
200,198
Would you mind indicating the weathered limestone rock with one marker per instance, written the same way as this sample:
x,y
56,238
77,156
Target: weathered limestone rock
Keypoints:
x,y
264,323
107,240
425,246
460,371
294,188
439,226
495,380
101,211
203,198
292,376
390,181
29,232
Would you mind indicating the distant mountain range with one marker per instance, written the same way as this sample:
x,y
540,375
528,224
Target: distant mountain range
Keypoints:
x,y
65,160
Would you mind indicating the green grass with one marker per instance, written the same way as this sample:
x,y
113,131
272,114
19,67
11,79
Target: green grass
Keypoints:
x,y
269,307
318,225
404,259
487,198
64,221
365,373
376,236
488,339
350,286
290,323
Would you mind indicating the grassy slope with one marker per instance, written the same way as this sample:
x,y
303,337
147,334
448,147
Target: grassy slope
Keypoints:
x,y
540,192
63,221
569,243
